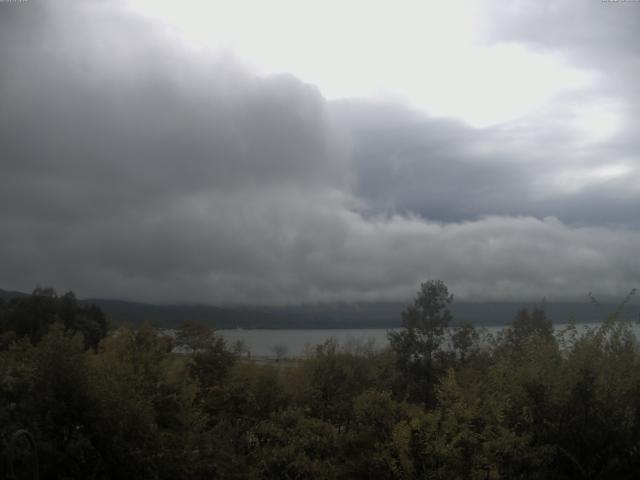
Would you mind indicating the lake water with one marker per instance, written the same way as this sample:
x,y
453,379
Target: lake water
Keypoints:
x,y
262,343
265,343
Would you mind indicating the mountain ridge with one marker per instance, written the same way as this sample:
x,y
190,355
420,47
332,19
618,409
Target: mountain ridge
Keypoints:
x,y
331,315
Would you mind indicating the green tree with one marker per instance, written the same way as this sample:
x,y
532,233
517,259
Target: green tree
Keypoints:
x,y
292,445
193,336
335,378
148,424
418,344
60,407
33,316
210,359
527,323
368,449
465,342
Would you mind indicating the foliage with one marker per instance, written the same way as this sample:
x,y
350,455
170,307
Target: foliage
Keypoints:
x,y
417,346
33,316
441,402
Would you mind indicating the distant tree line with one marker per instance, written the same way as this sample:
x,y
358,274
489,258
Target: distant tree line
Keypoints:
x,y
32,317
440,402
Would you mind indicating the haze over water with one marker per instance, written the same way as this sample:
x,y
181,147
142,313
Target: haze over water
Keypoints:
x,y
294,342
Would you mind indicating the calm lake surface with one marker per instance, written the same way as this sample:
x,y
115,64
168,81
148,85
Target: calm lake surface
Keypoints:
x,y
265,343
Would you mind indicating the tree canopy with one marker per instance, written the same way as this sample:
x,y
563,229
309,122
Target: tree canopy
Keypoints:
x,y
441,402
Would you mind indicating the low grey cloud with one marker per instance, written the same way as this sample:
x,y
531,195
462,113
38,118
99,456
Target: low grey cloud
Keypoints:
x,y
600,34
444,170
136,167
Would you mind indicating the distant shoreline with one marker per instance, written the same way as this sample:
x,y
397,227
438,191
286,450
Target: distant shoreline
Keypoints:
x,y
335,316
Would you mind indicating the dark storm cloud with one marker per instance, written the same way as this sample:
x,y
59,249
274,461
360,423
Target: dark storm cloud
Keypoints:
x,y
135,167
447,171
408,162
126,152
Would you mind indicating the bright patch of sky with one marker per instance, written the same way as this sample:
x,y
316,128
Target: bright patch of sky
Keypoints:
x,y
426,54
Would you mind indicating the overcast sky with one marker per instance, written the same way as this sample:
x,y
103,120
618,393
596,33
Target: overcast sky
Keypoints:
x,y
293,151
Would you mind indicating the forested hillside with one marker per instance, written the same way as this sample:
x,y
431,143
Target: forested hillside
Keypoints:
x,y
330,315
